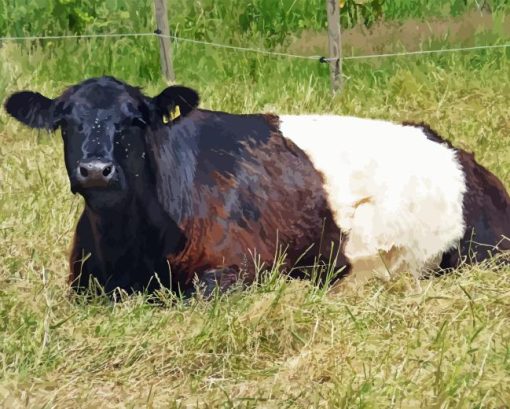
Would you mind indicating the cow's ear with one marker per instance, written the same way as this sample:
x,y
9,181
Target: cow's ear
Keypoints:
x,y
31,108
176,101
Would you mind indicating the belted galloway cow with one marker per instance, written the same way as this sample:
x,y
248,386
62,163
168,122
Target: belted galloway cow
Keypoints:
x,y
174,193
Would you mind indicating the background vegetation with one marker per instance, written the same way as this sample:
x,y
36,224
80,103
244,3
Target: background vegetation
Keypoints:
x,y
279,344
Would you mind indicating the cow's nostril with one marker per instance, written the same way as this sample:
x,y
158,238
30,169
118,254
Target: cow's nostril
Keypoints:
x,y
84,172
107,171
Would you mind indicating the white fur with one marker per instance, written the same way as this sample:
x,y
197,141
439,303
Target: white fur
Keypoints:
x,y
397,194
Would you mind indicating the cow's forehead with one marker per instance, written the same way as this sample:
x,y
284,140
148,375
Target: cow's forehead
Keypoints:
x,y
98,96
103,94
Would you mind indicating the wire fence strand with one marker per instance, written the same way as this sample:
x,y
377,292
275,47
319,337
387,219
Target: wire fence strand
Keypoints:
x,y
237,48
75,36
251,49
421,52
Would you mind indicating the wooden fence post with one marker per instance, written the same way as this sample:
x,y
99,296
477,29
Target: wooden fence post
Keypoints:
x,y
165,46
335,44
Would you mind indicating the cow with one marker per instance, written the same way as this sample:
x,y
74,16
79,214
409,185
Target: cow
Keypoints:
x,y
177,196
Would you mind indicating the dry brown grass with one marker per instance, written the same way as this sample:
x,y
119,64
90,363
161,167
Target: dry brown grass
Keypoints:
x,y
409,35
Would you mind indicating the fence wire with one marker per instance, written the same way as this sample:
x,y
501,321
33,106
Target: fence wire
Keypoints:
x,y
251,49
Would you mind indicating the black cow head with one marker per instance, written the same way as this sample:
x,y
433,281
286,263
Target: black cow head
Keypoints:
x,y
104,124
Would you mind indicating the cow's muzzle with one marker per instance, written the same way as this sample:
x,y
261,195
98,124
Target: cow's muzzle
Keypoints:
x,y
95,173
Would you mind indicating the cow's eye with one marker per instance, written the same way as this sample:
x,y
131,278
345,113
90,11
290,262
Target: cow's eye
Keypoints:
x,y
139,122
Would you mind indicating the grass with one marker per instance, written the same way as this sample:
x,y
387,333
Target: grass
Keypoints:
x,y
279,343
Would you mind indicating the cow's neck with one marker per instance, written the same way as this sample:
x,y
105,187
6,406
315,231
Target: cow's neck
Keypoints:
x,y
173,153
131,241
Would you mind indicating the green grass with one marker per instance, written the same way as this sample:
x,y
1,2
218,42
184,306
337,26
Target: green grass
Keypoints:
x,y
279,343
270,20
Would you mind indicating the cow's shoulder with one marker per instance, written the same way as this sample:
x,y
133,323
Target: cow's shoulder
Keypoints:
x,y
223,141
230,132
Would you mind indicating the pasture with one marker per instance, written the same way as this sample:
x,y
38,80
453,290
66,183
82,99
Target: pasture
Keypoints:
x,y
279,343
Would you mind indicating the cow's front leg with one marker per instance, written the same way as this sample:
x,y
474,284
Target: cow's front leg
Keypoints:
x,y
83,265
220,279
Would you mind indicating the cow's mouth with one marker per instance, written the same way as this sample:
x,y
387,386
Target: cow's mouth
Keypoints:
x,y
105,198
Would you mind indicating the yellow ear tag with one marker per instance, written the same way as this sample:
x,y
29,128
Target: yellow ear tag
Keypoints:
x,y
165,119
175,113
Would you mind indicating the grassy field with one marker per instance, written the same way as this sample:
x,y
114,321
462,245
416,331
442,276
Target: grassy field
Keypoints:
x,y
280,343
